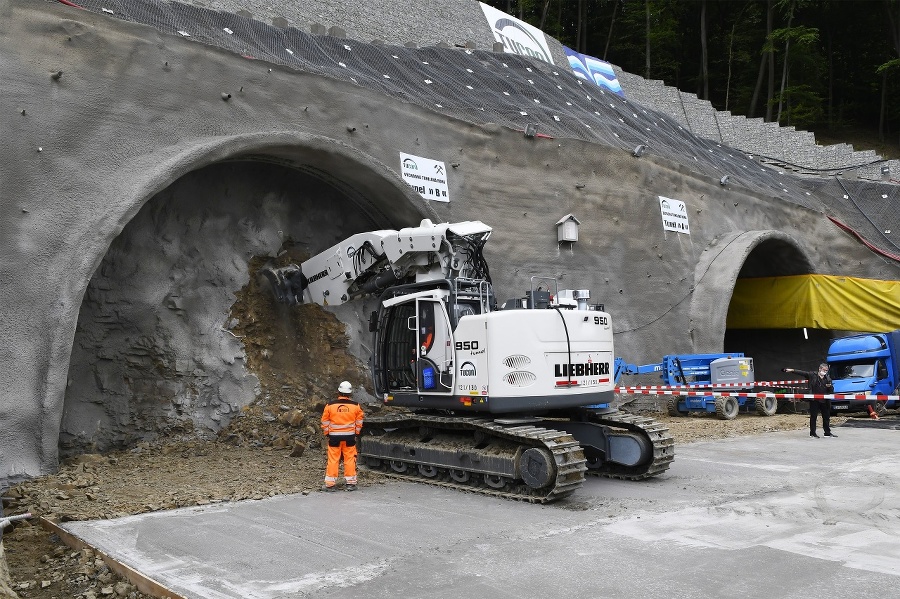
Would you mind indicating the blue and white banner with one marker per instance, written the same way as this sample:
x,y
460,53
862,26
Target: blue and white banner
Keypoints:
x,y
518,37
594,69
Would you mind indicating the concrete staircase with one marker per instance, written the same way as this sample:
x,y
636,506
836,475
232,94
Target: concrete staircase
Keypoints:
x,y
784,148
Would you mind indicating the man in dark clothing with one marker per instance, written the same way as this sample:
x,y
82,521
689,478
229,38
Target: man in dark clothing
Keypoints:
x,y
819,384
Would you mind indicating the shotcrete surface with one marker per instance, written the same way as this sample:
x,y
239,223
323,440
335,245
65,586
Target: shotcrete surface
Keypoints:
x,y
773,515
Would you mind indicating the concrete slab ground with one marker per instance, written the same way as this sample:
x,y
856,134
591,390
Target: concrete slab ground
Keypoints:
x,y
775,515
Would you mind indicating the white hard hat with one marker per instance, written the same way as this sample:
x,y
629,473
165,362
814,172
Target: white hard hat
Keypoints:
x,y
345,388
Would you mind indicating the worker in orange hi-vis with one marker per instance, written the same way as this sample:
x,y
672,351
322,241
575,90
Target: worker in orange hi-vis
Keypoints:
x,y
342,421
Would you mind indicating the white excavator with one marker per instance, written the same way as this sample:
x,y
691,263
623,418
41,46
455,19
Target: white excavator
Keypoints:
x,y
512,401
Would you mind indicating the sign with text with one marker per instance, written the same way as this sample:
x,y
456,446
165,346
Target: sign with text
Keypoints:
x,y
674,215
428,177
517,37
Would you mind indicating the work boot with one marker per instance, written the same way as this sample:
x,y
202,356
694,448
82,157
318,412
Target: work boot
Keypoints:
x,y
832,435
328,489
814,435
350,487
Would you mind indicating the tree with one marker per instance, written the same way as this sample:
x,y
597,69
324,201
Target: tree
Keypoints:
x,y
612,22
768,58
647,55
891,66
704,59
544,14
731,54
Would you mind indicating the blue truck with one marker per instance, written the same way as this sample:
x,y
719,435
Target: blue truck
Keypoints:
x,y
728,372
867,363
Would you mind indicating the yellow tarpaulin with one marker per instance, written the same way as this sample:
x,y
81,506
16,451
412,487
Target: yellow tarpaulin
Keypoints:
x,y
816,302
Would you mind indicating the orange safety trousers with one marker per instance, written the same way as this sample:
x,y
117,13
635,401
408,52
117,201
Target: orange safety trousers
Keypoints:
x,y
342,420
335,453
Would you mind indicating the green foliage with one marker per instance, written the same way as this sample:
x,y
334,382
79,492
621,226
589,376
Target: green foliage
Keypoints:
x,y
803,106
806,37
838,55
888,66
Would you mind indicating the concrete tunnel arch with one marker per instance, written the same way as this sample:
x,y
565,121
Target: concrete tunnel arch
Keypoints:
x,y
377,190
747,254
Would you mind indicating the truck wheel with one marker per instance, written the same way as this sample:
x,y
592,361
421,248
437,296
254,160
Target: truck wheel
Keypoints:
x,y
727,408
672,405
766,406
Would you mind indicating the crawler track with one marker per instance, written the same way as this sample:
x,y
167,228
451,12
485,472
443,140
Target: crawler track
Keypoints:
x,y
656,432
483,456
475,455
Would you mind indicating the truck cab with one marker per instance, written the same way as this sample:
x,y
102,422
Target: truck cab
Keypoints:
x,y
867,363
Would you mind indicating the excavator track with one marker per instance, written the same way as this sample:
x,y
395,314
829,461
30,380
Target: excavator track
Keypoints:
x,y
657,433
524,462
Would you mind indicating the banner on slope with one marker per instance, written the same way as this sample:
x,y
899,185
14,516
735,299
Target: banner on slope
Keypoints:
x,y
593,69
517,36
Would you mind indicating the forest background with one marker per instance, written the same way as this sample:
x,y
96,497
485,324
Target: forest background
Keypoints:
x,y
827,66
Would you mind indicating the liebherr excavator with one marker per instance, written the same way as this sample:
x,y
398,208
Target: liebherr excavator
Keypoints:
x,y
511,401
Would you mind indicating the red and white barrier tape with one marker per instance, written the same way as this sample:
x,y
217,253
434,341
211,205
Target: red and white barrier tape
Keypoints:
x,y
709,386
838,396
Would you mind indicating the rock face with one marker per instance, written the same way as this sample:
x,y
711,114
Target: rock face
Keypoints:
x,y
156,347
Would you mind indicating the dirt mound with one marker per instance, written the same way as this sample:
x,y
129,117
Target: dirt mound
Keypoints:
x,y
298,353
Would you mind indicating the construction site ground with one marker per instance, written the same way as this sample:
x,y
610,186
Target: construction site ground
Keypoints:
x,y
742,465
172,473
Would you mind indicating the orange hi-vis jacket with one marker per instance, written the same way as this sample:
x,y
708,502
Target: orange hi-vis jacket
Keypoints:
x,y
342,418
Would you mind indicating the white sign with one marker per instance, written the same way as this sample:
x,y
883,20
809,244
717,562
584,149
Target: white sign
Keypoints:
x,y
674,215
517,36
428,177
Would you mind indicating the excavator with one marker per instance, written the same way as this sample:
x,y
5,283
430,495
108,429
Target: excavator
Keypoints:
x,y
511,400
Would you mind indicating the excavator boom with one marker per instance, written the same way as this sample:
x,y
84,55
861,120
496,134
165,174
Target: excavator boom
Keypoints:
x,y
367,263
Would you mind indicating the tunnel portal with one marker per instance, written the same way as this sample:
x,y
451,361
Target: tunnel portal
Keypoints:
x,y
154,349
773,349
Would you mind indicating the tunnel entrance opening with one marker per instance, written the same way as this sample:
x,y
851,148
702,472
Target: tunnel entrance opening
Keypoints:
x,y
157,348
773,349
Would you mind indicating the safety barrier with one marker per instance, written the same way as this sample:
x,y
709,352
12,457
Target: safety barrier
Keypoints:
x,y
629,388
856,396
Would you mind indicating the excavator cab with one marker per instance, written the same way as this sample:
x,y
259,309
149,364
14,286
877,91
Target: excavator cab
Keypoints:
x,y
413,346
395,356
434,366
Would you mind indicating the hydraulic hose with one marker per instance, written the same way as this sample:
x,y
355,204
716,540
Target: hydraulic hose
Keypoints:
x,y
568,344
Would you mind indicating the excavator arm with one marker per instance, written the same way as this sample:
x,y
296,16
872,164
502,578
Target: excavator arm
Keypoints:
x,y
367,263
